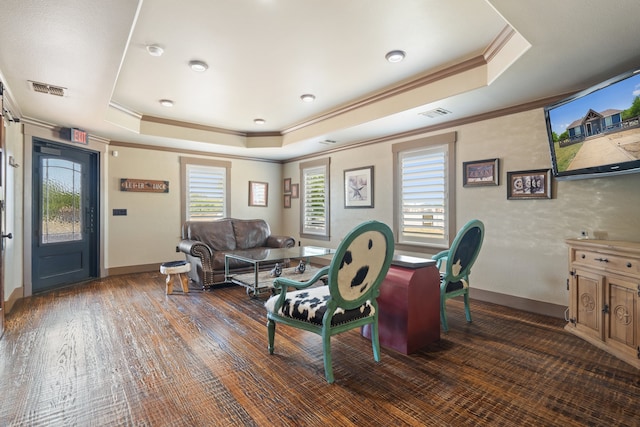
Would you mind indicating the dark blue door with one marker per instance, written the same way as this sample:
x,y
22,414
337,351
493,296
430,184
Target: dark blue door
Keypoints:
x,y
65,215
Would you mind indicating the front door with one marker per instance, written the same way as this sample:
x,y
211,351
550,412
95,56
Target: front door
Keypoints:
x,y
65,215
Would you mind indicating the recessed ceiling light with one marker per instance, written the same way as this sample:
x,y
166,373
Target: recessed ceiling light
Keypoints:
x,y
307,97
198,66
166,102
395,56
155,50
259,121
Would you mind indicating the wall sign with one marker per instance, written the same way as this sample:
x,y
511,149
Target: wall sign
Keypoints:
x,y
144,185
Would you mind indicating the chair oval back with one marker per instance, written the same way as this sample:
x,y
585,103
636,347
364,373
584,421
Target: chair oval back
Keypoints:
x,y
464,250
360,264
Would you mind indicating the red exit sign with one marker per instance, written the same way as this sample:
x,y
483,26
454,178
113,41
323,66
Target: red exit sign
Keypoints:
x,y
75,135
79,136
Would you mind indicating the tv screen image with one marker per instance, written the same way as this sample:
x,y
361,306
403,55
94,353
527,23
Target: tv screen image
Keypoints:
x,y
597,131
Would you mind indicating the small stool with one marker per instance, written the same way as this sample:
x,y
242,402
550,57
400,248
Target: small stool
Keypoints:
x,y
176,268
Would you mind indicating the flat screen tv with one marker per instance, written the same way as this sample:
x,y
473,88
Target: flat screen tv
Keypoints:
x,y
596,132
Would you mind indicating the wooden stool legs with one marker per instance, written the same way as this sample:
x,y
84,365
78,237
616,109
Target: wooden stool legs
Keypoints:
x,y
179,269
184,281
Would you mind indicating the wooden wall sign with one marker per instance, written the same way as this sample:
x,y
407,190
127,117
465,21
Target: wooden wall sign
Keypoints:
x,y
144,185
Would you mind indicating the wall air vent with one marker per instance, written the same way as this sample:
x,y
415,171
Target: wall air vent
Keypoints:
x,y
435,113
45,88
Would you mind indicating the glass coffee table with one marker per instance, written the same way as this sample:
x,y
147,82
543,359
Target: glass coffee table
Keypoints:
x,y
260,280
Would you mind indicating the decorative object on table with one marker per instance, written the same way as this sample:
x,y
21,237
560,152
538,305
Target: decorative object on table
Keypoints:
x,y
258,193
301,267
295,191
287,185
532,184
358,187
458,260
276,271
348,301
480,172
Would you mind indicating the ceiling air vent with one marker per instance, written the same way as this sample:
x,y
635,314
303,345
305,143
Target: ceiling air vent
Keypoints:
x,y
435,113
327,142
45,88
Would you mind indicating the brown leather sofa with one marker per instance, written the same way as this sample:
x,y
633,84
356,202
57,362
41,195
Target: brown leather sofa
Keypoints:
x,y
205,244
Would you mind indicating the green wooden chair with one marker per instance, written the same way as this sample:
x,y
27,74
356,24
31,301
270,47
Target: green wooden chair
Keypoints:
x,y
347,300
458,260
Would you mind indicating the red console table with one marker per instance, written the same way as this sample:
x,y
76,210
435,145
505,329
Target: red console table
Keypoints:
x,y
409,305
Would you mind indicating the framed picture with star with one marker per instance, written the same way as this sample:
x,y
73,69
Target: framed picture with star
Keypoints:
x,y
358,187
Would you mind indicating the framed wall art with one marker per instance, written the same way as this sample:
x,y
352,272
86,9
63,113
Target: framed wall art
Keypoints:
x,y
531,184
480,172
258,193
295,191
287,201
358,187
287,185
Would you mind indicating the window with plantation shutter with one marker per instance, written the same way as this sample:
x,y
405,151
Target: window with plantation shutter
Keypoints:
x,y
424,202
314,206
205,189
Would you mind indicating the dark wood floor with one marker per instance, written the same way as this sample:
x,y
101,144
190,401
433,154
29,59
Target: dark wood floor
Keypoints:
x,y
119,351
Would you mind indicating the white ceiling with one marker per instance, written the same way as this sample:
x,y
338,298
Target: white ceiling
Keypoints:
x,y
466,56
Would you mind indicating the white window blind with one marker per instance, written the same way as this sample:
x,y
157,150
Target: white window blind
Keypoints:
x,y
424,196
206,192
315,201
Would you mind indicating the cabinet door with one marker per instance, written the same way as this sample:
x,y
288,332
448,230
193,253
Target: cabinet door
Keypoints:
x,y
587,302
622,315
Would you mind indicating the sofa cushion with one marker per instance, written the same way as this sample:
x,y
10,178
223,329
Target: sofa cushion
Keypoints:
x,y
218,235
251,233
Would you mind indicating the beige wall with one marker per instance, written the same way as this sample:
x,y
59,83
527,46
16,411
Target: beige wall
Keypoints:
x,y
151,230
524,254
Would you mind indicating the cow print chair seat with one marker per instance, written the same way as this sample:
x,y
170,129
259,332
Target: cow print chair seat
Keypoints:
x,y
347,301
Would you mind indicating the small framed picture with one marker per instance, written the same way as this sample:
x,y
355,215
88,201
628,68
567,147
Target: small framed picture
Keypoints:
x,y
295,191
480,172
358,187
287,201
287,185
532,184
258,193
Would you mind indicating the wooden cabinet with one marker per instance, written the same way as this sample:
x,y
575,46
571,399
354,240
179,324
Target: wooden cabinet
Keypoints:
x,y
604,295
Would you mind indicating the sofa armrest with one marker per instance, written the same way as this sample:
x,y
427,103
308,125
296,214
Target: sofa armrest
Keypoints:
x,y
195,248
280,242
201,258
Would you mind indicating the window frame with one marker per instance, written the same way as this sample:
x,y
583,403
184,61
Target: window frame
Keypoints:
x,y
305,166
195,161
447,143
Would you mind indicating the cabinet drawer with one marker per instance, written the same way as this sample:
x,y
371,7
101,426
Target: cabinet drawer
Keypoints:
x,y
603,261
